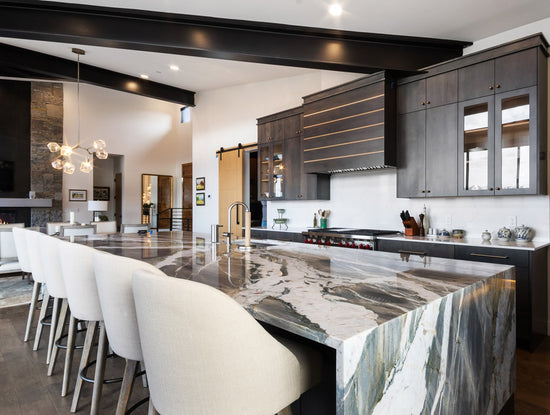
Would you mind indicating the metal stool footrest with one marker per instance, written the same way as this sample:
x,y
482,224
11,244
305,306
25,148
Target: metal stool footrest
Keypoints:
x,y
83,376
136,406
64,346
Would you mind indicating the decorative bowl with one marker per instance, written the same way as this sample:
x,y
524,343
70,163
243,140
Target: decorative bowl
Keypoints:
x,y
458,233
444,233
486,235
504,234
280,220
523,233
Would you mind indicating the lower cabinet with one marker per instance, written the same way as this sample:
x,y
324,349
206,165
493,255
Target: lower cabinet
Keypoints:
x,y
531,279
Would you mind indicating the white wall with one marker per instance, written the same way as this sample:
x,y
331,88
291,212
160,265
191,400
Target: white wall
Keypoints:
x,y
226,117
146,131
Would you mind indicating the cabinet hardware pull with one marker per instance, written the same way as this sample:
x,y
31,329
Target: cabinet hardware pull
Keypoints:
x,y
498,85
488,256
490,188
428,191
422,191
423,103
428,102
411,252
498,188
491,87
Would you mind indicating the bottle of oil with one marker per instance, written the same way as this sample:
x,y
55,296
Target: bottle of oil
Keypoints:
x,y
315,220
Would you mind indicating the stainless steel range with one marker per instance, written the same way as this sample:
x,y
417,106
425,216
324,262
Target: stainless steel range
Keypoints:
x,y
345,237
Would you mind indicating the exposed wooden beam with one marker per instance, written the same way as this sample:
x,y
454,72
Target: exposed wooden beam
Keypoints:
x,y
222,38
24,63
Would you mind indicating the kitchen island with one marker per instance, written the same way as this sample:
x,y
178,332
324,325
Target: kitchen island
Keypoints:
x,y
408,337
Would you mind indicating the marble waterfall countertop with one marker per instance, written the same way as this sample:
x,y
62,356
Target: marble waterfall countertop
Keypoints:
x,y
406,334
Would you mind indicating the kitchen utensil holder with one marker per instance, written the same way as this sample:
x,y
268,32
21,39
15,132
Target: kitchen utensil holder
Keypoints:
x,y
411,227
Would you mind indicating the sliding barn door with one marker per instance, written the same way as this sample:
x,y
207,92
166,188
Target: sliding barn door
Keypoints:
x,y
231,168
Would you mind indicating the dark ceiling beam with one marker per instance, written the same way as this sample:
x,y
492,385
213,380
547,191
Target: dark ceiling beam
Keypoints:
x,y
222,38
23,63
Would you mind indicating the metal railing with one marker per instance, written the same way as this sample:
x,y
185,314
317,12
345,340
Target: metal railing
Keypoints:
x,y
172,219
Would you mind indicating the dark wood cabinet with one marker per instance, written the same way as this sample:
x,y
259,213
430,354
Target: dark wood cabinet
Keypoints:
x,y
506,73
427,152
531,278
281,168
531,287
430,92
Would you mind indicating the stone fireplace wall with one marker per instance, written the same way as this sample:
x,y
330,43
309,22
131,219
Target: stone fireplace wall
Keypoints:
x,y
46,126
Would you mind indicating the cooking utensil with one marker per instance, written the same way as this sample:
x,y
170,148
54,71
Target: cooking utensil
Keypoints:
x,y
327,212
407,215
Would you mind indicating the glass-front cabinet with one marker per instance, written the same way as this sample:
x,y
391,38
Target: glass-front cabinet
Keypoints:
x,y
497,144
271,180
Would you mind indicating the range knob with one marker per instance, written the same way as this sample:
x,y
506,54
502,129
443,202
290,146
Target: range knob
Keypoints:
x,y
319,242
347,245
353,245
361,246
340,243
306,240
368,247
328,243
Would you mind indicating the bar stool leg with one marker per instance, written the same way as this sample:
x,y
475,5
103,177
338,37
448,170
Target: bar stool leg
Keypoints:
x,y
90,332
58,333
130,371
32,307
69,356
39,326
53,327
102,346
152,410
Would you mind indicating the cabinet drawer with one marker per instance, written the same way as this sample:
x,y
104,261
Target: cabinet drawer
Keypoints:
x,y
416,248
518,258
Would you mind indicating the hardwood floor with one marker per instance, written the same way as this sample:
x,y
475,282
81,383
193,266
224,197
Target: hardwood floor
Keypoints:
x,y
26,390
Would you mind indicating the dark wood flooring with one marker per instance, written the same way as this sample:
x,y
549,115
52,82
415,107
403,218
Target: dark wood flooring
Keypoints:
x,y
25,389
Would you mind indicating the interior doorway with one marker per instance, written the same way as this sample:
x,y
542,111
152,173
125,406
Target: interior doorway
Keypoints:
x,y
187,196
107,186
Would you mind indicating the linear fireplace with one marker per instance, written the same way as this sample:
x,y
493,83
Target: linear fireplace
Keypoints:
x,y
15,215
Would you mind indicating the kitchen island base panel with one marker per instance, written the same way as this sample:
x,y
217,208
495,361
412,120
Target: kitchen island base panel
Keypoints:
x,y
457,352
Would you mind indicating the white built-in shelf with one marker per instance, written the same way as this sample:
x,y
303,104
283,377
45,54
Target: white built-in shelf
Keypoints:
x,y
22,202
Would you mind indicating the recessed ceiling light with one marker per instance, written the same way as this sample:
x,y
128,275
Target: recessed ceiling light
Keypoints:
x,y
335,10
174,67
143,76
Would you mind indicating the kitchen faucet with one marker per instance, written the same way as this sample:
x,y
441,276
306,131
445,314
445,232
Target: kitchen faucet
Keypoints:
x,y
246,224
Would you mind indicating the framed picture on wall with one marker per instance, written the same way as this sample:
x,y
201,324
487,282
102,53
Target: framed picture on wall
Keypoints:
x,y
78,195
200,183
101,193
200,199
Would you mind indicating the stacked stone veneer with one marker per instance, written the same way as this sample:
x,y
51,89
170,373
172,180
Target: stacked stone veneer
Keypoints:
x,y
46,126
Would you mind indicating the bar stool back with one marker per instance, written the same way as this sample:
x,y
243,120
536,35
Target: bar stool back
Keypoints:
x,y
205,354
35,260
114,284
19,238
78,275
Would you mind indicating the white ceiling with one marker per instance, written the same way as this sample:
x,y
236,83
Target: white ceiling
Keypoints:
x,y
468,20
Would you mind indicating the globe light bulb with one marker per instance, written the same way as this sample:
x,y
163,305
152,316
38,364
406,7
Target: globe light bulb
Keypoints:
x,y
86,166
53,147
68,167
66,150
99,144
101,154
57,164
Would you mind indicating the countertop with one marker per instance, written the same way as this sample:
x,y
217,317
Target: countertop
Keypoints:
x,y
373,309
493,243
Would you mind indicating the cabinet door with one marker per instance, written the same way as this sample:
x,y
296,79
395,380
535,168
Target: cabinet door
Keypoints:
x,y
411,134
516,142
277,172
476,81
264,172
264,133
442,89
292,126
515,71
411,97
476,147
293,168
441,151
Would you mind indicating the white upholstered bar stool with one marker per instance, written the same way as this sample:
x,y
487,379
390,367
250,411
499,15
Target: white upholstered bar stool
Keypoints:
x,y
35,260
105,227
78,274
19,238
114,284
53,227
205,354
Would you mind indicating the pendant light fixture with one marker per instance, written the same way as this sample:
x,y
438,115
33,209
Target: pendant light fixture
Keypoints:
x,y
63,161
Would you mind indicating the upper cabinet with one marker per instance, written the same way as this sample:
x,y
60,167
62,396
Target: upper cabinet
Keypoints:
x,y
350,127
476,125
280,168
514,71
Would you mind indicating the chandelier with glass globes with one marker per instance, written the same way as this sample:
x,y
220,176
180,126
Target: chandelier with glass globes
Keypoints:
x,y
63,161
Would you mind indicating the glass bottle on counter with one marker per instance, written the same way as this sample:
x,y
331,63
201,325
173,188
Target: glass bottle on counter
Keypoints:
x,y
315,220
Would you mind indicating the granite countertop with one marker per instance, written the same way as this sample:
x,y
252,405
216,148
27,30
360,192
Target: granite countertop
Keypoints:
x,y
331,294
493,243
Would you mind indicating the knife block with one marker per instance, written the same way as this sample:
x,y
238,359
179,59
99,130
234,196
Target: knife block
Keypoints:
x,y
411,227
